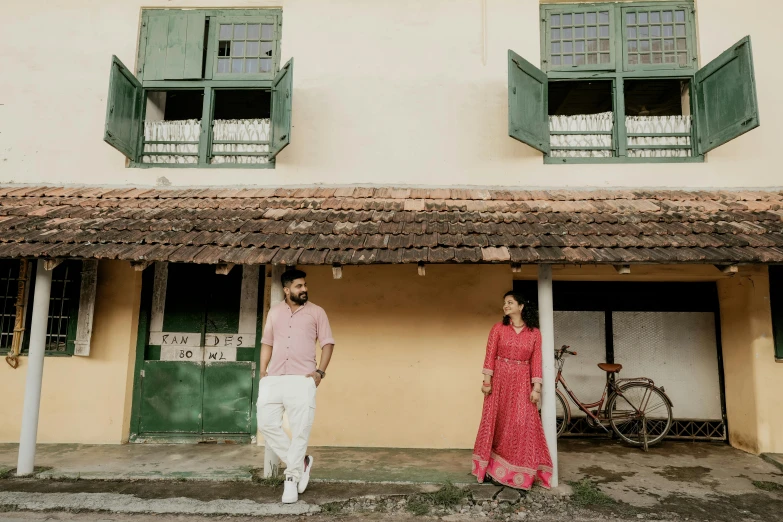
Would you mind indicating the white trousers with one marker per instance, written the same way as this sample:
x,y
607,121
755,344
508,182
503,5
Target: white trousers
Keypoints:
x,y
294,395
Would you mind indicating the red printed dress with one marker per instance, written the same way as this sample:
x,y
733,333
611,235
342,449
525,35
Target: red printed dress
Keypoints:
x,y
510,445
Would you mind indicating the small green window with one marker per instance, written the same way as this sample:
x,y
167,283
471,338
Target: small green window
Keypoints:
x,y
579,38
658,38
211,91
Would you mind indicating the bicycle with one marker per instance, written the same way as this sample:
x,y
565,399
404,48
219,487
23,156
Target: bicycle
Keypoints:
x,y
638,412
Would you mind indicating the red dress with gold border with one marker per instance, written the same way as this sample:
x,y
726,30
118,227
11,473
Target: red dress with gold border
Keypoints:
x,y
510,445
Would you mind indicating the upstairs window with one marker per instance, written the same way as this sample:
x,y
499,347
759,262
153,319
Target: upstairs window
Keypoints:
x,y
210,91
619,82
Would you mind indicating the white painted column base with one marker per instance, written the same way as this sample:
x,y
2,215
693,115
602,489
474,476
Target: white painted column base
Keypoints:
x,y
35,362
547,325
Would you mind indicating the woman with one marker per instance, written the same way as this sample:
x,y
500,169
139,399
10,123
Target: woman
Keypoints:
x,y
510,445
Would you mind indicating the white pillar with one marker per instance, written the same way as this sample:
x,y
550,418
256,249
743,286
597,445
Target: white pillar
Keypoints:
x,y
35,362
547,324
271,460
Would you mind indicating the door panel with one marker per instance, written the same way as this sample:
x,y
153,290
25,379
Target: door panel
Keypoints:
x,y
171,397
228,397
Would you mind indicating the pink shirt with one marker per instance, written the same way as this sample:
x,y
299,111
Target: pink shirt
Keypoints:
x,y
292,337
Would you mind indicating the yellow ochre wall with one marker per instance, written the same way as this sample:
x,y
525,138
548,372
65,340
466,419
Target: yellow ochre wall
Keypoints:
x,y
406,370
85,399
754,381
385,92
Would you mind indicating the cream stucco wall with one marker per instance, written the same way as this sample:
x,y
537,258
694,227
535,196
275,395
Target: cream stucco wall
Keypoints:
x,y
385,92
754,381
85,399
406,369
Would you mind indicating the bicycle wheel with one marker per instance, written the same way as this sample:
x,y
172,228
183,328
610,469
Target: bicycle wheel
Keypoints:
x,y
641,416
562,413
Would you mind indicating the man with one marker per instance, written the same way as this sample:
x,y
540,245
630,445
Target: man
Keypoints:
x,y
289,378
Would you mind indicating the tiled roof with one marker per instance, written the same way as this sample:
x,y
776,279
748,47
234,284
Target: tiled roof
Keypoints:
x,y
358,225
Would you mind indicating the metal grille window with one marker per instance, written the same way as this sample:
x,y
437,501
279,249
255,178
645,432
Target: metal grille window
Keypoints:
x,y
61,305
9,274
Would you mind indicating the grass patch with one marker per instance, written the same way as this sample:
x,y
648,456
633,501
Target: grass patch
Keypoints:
x,y
273,481
332,508
418,506
767,486
586,493
4,474
448,496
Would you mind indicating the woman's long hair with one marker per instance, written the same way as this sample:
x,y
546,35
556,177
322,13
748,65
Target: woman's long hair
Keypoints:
x,y
529,312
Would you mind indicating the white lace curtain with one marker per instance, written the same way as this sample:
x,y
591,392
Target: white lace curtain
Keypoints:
x,y
190,130
176,130
601,122
658,125
240,130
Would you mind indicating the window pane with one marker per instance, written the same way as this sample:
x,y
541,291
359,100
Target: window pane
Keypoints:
x,y
568,60
655,17
266,65
225,32
579,59
579,47
643,19
592,58
555,21
223,65
655,31
237,48
682,44
603,17
556,60
604,45
632,45
604,30
579,32
668,45
267,32
680,30
224,48
568,33
669,58
556,48
253,32
679,16
252,49
592,45
239,32
645,58
568,47
555,34
266,48
251,66
630,18
683,59
591,18
657,58
236,65
592,32
668,30
644,45
656,45
633,59
579,19
604,58
644,32
632,32
568,20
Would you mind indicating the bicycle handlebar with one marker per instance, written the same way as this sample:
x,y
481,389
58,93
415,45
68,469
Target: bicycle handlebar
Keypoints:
x,y
565,349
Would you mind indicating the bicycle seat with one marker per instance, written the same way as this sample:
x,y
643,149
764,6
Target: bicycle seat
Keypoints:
x,y
611,368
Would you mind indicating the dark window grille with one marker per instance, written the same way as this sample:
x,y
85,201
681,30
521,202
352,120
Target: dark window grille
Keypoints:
x,y
9,280
60,307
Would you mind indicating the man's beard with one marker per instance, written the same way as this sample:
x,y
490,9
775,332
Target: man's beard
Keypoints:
x,y
299,299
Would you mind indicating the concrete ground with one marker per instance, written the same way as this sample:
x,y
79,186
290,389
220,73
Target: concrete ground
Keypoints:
x,y
677,480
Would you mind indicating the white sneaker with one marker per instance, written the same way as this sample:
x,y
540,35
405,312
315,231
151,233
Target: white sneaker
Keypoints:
x,y
290,494
305,478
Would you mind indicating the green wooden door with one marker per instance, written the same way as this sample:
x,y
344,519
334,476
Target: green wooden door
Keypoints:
x,y
198,376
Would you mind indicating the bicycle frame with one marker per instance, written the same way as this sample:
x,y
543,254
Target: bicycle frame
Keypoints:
x,y
613,385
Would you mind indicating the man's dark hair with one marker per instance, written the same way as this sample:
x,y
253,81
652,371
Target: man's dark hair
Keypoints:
x,y
289,276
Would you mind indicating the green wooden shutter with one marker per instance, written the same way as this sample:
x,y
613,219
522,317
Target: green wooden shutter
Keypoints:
x,y
528,103
726,102
282,92
776,304
123,110
175,45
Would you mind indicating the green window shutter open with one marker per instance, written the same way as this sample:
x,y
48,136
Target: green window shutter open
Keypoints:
x,y
282,94
726,102
528,103
776,304
123,110
175,45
